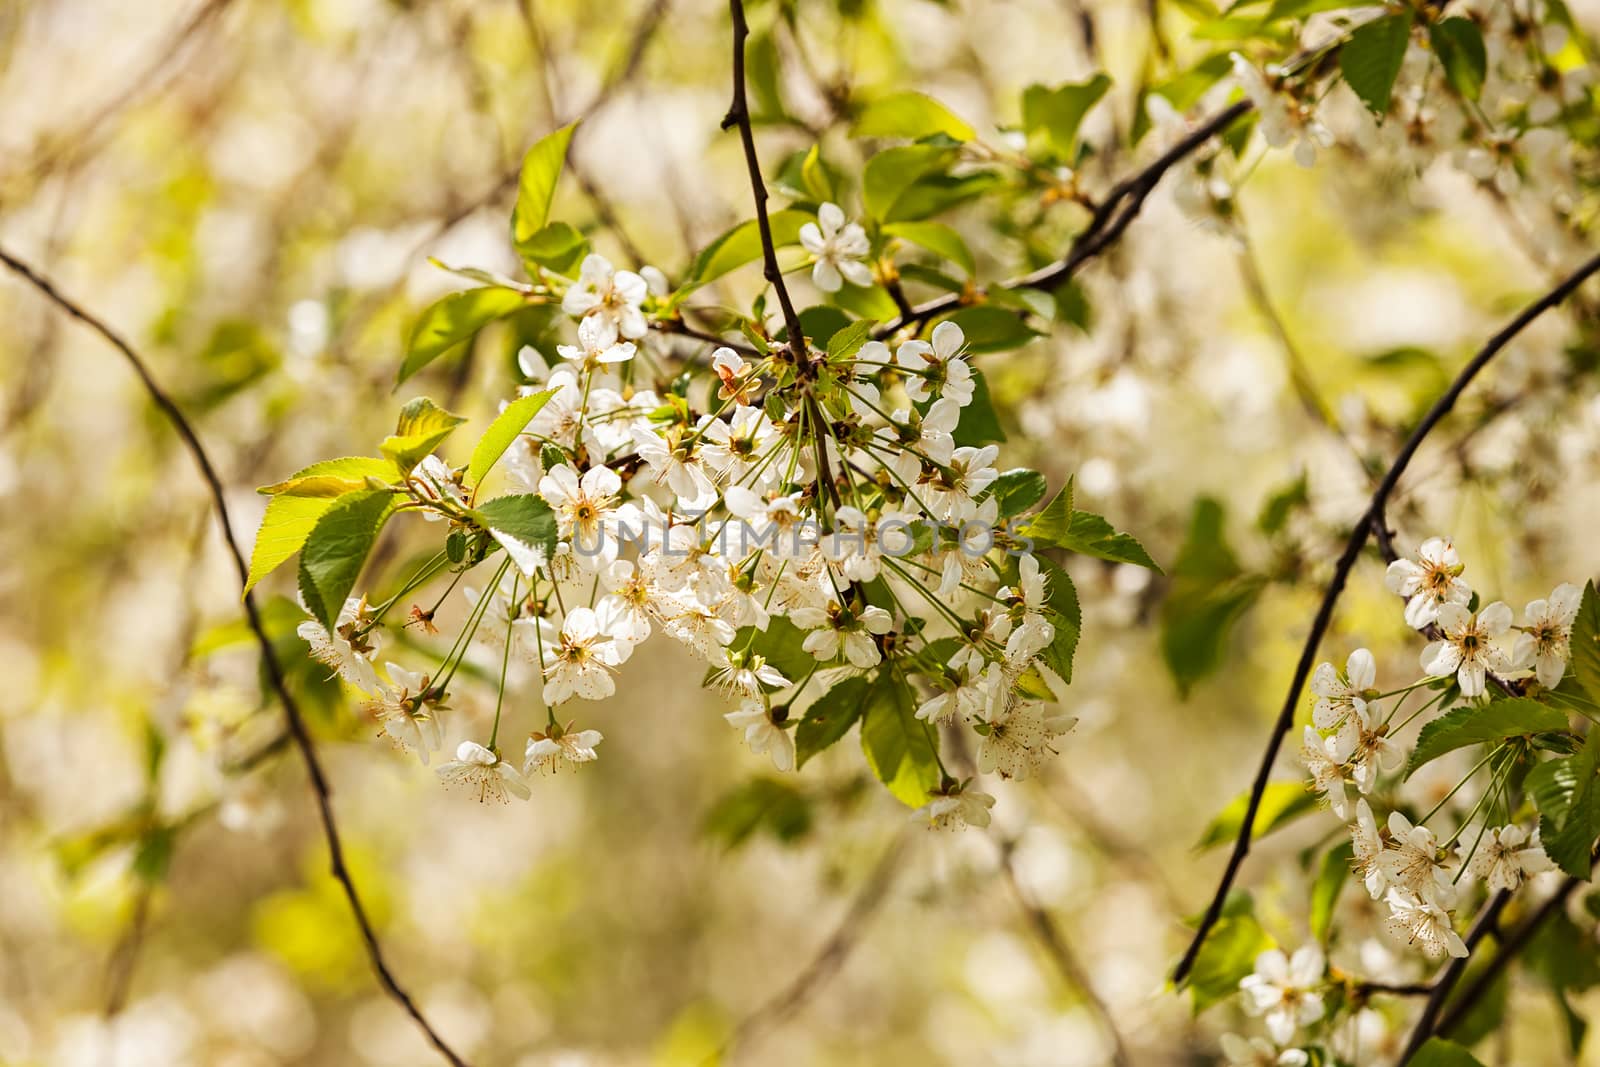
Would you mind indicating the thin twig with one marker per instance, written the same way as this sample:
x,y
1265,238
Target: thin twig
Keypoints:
x,y
1487,918
1513,944
1064,957
1111,218
296,721
739,116
829,958
1352,551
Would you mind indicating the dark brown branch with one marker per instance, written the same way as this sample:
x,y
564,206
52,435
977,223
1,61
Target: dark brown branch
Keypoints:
x,y
1341,571
1508,950
739,116
1111,218
296,721
1486,922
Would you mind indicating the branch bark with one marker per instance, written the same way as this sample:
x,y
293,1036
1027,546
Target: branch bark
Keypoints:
x,y
739,116
1362,530
296,721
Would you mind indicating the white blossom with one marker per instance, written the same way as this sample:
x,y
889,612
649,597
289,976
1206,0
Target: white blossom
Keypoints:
x,y
1282,990
839,246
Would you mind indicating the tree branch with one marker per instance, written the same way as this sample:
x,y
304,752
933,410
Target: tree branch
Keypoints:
x,y
1486,921
1065,959
739,116
296,721
828,959
1110,219
1502,958
1352,551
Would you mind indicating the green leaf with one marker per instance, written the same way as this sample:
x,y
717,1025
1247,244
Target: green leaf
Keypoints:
x,y
525,527
291,517
1281,803
980,423
1209,593
332,557
1065,615
1569,807
761,804
1060,525
1054,115
1371,58
1486,724
911,115
742,245
938,238
847,341
992,329
505,429
1458,43
1585,642
537,187
557,246
421,428
891,172
829,718
448,322
1018,490
779,644
899,746
1299,9
1229,953
1331,877
1437,1052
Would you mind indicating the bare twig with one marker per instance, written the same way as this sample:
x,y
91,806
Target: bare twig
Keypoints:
x,y
739,116
835,950
1486,921
1111,218
1065,959
1352,551
75,142
1513,944
296,721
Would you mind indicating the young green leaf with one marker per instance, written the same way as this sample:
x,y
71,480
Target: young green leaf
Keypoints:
x,y
899,746
421,428
1018,490
759,804
779,644
506,427
1437,1052
525,527
1280,804
1067,618
1060,525
452,320
1054,115
1331,877
742,245
1209,592
1229,953
937,238
829,718
911,115
1372,57
1569,807
291,517
980,424
992,329
1585,642
1488,724
1458,43
336,549
891,172
557,246
537,186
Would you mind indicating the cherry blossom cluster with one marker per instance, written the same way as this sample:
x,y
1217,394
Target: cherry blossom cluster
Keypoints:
x,y
1418,871
826,490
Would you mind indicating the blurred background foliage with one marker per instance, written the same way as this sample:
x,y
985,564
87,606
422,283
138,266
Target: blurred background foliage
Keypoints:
x,y
251,191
